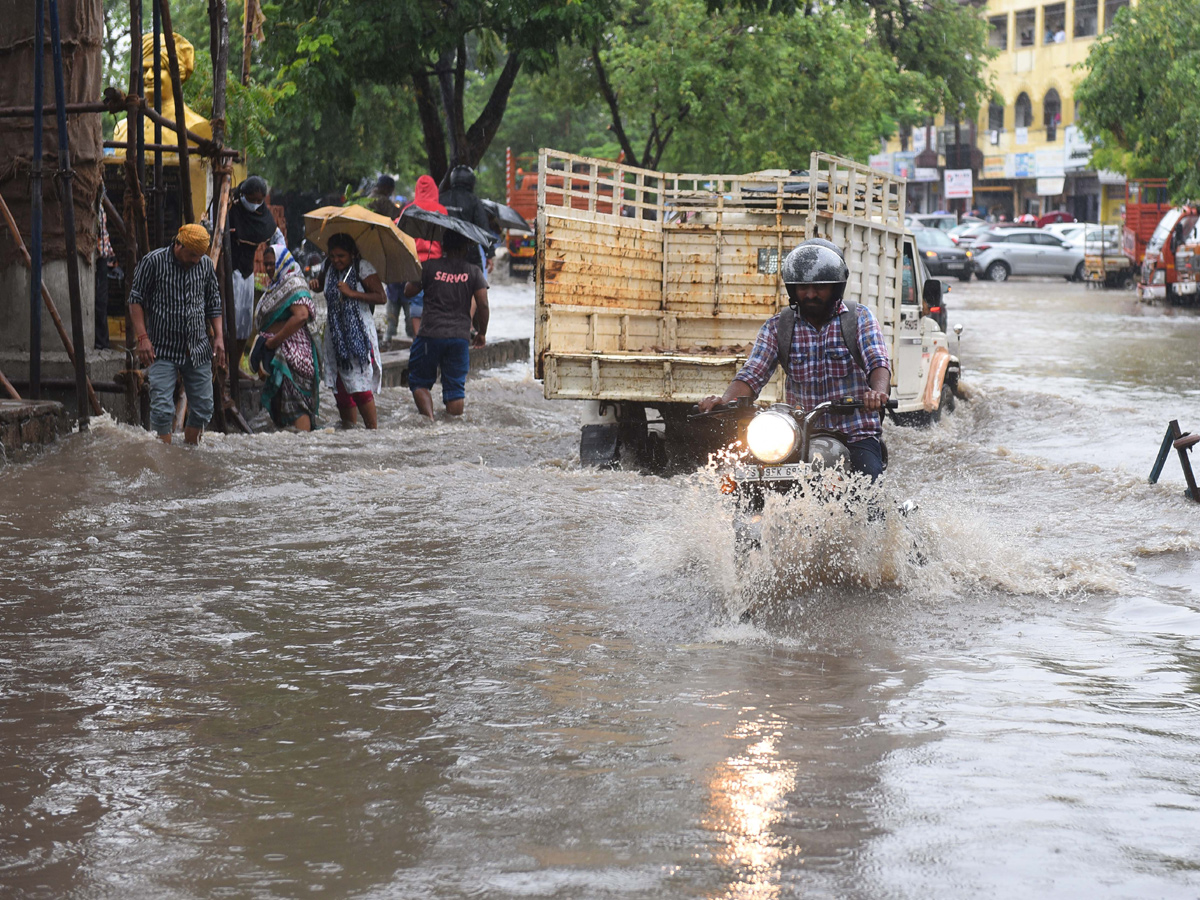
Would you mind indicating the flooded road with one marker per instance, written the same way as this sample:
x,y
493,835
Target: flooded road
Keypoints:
x,y
444,661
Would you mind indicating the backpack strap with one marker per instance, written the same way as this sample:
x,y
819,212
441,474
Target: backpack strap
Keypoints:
x,y
849,322
785,327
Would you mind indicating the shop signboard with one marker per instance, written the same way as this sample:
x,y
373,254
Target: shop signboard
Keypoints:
x,y
1105,176
1021,137
918,140
903,164
923,174
958,184
880,162
1024,165
993,166
1049,164
1050,187
1077,151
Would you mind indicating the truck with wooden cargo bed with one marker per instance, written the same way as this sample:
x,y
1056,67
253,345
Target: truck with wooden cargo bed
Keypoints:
x,y
652,286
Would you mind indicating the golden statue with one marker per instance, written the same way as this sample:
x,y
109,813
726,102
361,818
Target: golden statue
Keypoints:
x,y
192,120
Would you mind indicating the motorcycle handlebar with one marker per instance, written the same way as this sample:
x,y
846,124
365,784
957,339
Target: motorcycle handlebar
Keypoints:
x,y
740,405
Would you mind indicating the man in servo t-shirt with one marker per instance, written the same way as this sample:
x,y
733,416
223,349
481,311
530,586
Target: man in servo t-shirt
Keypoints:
x,y
456,299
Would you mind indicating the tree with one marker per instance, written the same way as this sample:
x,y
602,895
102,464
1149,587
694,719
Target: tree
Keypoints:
x,y
1140,100
428,50
729,86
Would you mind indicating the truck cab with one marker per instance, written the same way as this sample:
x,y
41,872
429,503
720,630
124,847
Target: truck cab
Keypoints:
x,y
1159,276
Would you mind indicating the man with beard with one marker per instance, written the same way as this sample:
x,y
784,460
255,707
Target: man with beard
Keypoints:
x,y
173,303
836,351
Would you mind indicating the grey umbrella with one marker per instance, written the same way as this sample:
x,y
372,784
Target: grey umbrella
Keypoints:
x,y
501,217
429,225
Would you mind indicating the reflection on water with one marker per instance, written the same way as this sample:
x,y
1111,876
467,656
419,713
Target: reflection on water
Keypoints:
x,y
748,797
446,662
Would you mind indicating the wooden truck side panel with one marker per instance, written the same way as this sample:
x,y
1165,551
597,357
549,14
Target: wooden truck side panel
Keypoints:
x,y
659,295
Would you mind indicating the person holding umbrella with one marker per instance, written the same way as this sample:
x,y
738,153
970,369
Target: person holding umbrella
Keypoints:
x,y
353,368
426,197
456,299
460,201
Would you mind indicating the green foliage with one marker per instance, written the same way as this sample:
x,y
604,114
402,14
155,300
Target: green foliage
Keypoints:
x,y
735,87
1140,99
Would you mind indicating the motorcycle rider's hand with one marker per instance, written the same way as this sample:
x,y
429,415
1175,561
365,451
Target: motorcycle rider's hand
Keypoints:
x,y
708,403
874,400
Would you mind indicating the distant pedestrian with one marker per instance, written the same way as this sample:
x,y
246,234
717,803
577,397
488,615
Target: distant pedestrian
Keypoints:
x,y
351,351
285,353
251,225
460,201
382,198
426,197
173,300
456,299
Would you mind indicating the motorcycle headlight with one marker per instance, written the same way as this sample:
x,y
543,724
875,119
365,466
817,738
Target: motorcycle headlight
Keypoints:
x,y
772,437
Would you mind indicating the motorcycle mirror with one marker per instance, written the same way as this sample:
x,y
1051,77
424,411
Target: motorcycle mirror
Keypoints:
x,y
958,329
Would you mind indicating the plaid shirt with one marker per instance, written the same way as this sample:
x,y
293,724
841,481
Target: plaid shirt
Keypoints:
x,y
822,367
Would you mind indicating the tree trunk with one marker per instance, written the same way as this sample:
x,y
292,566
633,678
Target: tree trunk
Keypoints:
x,y
431,126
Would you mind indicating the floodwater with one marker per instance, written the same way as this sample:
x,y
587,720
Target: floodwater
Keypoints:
x,y
444,661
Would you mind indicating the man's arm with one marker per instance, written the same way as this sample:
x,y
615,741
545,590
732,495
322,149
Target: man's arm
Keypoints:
x,y
140,292
212,308
412,288
479,319
873,348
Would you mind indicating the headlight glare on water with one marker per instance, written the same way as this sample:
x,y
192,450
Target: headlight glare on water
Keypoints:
x,y
772,437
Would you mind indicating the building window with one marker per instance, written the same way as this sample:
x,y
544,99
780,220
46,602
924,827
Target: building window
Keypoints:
x,y
1051,113
1055,19
1024,111
1026,21
1110,11
1085,18
998,32
995,118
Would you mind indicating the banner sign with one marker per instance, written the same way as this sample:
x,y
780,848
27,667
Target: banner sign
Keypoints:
x,y
880,162
958,184
1077,151
1049,164
994,166
922,174
903,164
1024,165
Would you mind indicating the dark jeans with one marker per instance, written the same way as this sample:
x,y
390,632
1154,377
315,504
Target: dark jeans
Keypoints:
x,y
866,456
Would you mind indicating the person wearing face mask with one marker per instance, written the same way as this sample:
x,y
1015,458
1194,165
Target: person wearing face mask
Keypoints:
x,y
173,302
250,225
830,358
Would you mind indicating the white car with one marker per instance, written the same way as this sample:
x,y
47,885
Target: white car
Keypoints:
x,y
1026,251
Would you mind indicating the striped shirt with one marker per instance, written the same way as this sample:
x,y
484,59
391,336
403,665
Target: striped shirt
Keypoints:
x,y
177,303
822,367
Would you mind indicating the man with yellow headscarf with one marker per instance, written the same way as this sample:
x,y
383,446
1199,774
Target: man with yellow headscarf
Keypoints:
x,y
173,300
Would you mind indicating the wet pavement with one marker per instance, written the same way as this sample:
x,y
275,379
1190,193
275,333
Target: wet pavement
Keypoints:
x,y
444,661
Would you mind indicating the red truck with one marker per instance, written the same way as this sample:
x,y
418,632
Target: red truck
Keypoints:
x,y
1159,276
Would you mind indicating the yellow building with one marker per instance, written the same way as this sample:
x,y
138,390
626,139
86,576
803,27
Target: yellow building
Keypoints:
x,y
1029,157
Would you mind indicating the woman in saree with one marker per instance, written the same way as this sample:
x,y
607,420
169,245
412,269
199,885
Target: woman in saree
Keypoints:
x,y
293,373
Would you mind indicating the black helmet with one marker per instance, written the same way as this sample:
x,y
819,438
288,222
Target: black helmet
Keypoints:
x,y
462,177
816,261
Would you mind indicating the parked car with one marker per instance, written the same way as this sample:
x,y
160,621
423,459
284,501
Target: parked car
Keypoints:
x,y
997,255
942,255
968,235
940,221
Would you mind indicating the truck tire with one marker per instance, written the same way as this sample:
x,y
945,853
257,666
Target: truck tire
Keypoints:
x,y
998,271
922,419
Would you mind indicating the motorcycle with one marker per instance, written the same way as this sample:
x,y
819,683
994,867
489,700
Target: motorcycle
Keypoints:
x,y
782,447
785,450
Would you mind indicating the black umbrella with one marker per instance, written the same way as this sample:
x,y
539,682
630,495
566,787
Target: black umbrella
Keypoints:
x,y
501,217
429,225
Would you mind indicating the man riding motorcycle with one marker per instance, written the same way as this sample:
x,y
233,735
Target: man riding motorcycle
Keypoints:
x,y
834,351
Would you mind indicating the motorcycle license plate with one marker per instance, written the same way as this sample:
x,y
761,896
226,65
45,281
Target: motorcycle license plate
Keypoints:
x,y
759,474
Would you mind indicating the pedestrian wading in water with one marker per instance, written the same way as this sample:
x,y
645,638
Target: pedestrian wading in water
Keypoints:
x,y
351,351
173,302
285,353
456,299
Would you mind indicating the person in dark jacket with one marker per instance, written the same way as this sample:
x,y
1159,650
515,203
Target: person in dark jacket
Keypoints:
x,y
251,225
460,201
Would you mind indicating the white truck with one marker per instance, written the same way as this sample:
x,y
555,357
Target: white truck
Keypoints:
x,y
652,286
